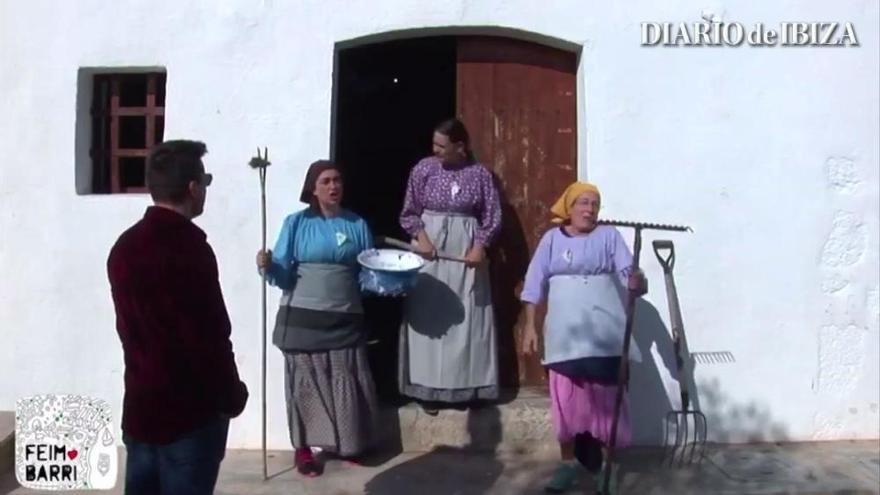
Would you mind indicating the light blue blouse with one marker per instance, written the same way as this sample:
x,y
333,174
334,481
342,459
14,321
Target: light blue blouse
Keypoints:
x,y
308,237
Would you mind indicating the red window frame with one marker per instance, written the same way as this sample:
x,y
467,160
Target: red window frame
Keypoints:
x,y
112,164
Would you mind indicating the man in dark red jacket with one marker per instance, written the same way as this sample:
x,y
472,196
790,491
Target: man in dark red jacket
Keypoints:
x,y
181,382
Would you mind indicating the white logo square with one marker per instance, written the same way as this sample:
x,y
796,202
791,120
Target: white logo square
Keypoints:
x,y
64,442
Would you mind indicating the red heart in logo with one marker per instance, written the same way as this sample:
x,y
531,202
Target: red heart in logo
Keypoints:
x,y
71,454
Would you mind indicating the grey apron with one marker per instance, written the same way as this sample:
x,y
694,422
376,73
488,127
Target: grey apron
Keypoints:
x,y
585,318
449,325
325,287
322,312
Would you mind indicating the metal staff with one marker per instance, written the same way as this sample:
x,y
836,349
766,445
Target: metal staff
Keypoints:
x,y
261,163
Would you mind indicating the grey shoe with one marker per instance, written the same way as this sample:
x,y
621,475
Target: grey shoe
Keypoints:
x,y
564,478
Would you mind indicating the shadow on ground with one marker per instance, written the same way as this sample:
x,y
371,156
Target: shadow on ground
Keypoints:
x,y
432,473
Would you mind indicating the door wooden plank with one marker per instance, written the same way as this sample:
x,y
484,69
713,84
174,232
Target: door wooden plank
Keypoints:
x,y
518,101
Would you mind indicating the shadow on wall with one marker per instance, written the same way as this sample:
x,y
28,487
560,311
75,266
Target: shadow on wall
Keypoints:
x,y
732,422
510,257
650,402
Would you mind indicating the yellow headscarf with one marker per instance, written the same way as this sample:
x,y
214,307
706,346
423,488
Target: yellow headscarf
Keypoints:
x,y
561,210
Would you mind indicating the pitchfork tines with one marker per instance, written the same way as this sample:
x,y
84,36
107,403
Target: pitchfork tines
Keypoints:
x,y
684,436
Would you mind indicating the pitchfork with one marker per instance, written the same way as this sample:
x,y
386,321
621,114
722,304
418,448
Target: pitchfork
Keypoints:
x,y
688,425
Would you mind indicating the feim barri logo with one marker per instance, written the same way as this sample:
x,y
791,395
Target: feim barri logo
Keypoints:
x,y
64,442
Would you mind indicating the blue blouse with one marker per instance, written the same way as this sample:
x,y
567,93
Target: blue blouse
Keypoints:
x,y
308,237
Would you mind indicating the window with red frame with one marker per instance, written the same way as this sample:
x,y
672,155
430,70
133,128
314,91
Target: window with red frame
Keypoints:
x,y
128,118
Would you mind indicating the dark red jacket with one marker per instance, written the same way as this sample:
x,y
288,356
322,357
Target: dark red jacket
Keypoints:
x,y
179,366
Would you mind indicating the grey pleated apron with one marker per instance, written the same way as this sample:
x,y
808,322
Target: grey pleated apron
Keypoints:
x,y
448,335
325,287
323,311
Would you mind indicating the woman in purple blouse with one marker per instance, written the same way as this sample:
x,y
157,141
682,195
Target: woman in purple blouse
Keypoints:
x,y
580,269
447,344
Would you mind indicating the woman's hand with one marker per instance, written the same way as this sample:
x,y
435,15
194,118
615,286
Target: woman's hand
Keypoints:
x,y
638,283
475,256
264,259
425,248
530,340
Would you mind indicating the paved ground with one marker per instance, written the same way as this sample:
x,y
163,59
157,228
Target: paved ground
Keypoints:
x,y
807,468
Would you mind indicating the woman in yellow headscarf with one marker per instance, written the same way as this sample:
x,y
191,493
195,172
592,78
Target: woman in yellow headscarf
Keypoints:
x,y
576,262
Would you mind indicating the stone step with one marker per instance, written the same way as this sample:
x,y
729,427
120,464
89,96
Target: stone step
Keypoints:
x,y
7,441
519,426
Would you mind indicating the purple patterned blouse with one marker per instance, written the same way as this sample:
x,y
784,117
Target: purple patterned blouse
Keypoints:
x,y
468,190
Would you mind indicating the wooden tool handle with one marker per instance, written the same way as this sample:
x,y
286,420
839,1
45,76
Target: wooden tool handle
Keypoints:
x,y
396,243
409,247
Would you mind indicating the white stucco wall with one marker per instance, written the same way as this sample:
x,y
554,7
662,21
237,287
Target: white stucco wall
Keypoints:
x,y
770,154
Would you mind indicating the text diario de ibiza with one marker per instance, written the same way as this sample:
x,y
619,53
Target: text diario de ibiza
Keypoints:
x,y
716,33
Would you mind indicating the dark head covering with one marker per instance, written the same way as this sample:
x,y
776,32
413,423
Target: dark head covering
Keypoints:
x,y
315,170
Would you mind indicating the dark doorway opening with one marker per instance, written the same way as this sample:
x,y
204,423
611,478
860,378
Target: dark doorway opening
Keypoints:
x,y
518,101
389,96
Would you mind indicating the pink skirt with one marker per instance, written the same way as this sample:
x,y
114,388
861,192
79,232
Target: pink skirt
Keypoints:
x,y
579,406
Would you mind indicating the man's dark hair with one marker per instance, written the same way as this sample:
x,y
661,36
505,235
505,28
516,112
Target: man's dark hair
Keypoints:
x,y
172,165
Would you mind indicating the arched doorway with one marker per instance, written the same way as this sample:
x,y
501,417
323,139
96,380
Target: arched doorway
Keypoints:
x,y
518,100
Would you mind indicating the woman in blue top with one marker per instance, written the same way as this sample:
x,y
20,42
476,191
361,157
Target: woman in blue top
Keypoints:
x,y
331,399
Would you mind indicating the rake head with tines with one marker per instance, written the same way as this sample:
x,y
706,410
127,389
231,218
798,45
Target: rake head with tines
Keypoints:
x,y
717,357
644,225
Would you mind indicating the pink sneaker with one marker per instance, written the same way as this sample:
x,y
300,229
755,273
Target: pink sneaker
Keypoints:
x,y
305,462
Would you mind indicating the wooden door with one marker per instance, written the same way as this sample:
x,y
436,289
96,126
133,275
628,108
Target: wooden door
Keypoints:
x,y
518,100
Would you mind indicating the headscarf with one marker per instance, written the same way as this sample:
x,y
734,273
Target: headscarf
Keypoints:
x,y
561,210
315,170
